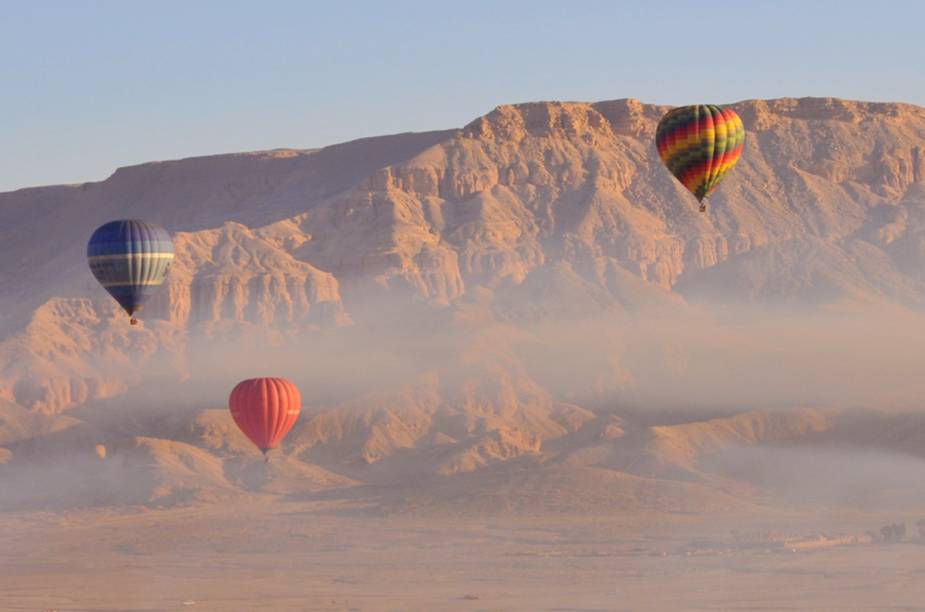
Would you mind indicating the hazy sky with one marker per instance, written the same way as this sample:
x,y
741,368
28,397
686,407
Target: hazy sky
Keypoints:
x,y
90,86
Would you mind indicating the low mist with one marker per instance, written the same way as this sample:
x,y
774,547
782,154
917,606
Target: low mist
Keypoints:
x,y
490,387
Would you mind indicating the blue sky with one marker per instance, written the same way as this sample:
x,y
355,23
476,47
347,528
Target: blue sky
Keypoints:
x,y
86,87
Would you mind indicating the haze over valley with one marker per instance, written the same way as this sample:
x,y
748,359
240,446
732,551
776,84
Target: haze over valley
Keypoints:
x,y
517,339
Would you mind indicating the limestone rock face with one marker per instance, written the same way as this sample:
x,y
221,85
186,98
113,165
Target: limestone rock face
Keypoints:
x,y
482,319
535,209
532,185
236,274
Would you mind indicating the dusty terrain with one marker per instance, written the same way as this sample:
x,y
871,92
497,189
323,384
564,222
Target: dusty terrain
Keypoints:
x,y
534,376
314,556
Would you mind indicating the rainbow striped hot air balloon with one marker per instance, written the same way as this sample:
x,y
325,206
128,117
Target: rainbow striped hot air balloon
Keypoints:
x,y
130,258
699,144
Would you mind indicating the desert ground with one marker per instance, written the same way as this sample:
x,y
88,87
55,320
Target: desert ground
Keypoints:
x,y
270,555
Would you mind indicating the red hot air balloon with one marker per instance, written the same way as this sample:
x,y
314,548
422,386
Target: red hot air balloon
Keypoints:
x,y
265,409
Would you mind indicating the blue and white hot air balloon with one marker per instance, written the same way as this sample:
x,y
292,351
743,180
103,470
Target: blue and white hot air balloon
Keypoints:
x,y
130,258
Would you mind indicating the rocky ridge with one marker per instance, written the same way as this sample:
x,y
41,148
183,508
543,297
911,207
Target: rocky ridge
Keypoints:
x,y
466,248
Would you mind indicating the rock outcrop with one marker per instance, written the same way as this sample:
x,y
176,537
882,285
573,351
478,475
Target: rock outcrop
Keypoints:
x,y
432,291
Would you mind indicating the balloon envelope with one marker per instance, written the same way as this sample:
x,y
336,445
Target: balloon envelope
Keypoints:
x,y
699,144
130,258
265,409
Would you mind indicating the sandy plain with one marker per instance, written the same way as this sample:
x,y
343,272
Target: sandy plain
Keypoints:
x,y
274,555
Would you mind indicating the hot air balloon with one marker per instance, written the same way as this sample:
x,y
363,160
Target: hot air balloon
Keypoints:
x,y
130,258
699,144
265,409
